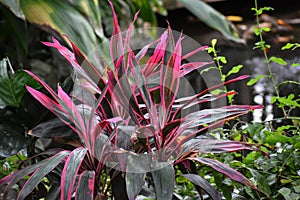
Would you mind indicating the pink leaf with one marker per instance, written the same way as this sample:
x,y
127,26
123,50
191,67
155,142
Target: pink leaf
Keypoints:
x,y
225,169
70,172
189,67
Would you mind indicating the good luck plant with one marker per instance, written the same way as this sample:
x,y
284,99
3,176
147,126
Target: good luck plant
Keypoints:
x,y
131,131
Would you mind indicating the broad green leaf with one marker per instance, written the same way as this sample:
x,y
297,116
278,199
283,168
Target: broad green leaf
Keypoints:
x,y
277,60
85,188
13,88
164,182
14,6
12,138
62,17
92,11
285,192
234,70
273,138
297,188
254,80
261,181
212,18
146,11
206,186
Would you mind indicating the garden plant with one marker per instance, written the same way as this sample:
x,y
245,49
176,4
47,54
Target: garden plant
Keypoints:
x,y
127,131
127,123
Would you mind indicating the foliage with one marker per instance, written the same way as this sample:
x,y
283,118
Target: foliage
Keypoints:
x,y
220,61
128,127
212,18
278,175
63,17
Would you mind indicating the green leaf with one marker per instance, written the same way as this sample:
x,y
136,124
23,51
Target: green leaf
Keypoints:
x,y
287,46
254,80
234,70
92,11
216,91
292,46
62,17
222,59
295,64
12,89
261,10
258,31
277,60
14,6
288,102
146,11
213,42
212,18
297,188
273,138
12,138
273,99
285,192
164,182
261,181
285,181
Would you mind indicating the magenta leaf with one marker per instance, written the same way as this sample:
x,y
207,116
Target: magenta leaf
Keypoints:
x,y
70,171
116,42
54,107
203,145
170,79
190,54
206,186
189,67
157,56
72,111
225,169
85,188
88,67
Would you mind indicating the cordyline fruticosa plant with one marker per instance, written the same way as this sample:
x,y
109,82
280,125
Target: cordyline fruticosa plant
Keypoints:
x,y
130,128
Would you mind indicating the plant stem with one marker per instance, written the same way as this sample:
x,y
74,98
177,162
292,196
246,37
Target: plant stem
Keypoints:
x,y
264,49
